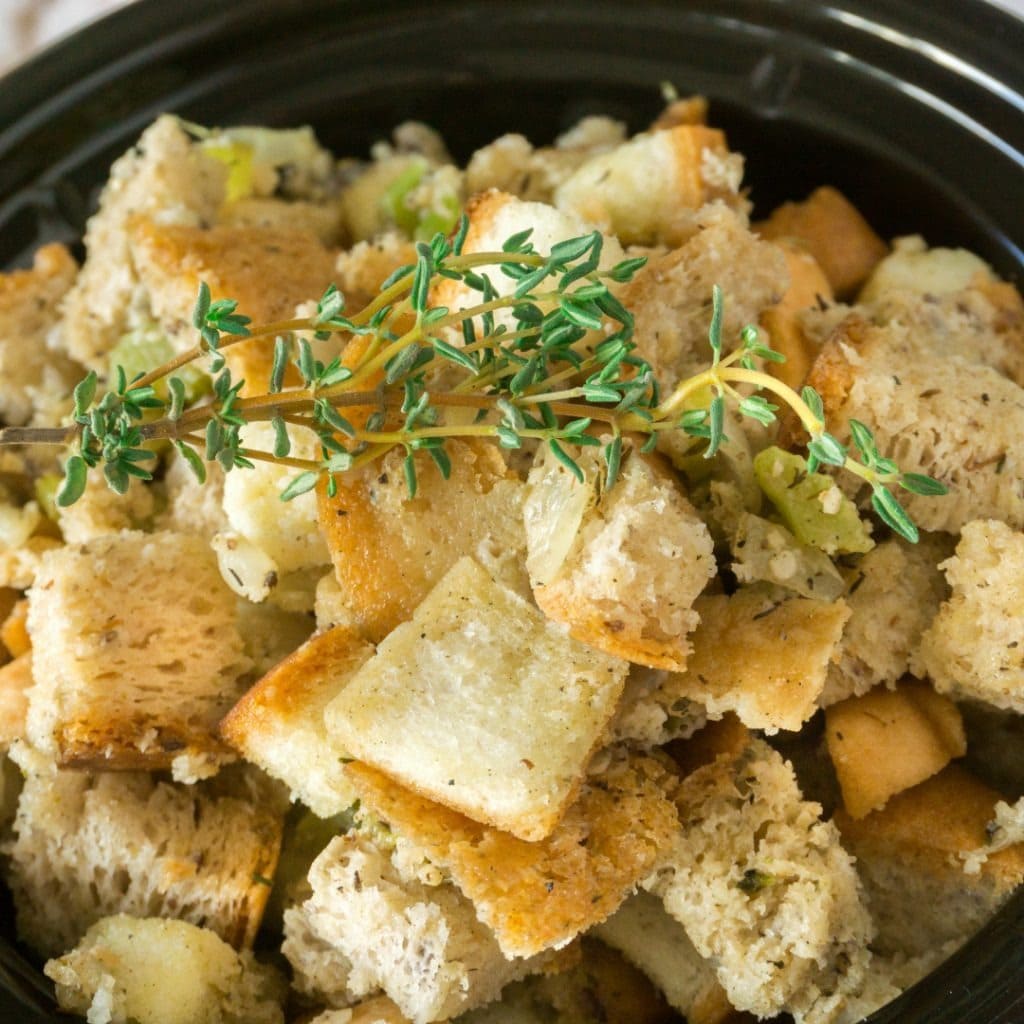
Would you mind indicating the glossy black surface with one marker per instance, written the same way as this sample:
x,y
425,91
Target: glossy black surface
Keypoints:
x,y
915,110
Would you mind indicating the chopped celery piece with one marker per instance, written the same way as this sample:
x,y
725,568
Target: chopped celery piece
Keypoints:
x,y
46,487
433,221
238,158
810,504
394,201
147,347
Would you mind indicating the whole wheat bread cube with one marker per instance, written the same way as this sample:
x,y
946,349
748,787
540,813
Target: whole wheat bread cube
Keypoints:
x,y
895,593
481,704
975,646
645,191
34,376
911,854
763,657
763,887
426,948
389,550
145,970
279,723
541,895
137,653
621,568
86,846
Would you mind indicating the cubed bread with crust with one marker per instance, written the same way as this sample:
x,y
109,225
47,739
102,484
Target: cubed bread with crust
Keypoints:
x,y
320,970
481,704
15,681
670,297
541,895
834,232
943,415
389,550
34,376
422,944
164,176
761,656
86,846
621,567
975,646
279,723
895,593
886,741
145,970
360,271
646,190
137,655
763,887
910,856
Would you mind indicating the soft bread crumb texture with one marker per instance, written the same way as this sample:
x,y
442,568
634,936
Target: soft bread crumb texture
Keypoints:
x,y
121,680
481,704
974,649
132,970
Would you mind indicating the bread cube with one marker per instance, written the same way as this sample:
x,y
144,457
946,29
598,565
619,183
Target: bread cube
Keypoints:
x,y
913,267
541,895
136,652
763,657
646,190
15,680
426,948
279,723
835,234
621,568
896,592
911,854
34,376
763,888
481,704
321,972
886,741
101,511
133,970
87,846
378,1010
975,646
361,270
389,550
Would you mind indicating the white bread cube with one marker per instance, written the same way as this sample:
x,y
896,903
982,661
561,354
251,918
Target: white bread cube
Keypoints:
x,y
15,681
279,723
646,190
421,944
101,511
975,647
763,657
913,267
895,593
137,654
34,377
541,895
193,507
320,970
763,888
389,550
621,568
87,846
132,970
482,704
378,1010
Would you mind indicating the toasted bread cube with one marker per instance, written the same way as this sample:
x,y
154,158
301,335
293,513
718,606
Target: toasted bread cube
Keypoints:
x,y
481,704
33,375
763,888
378,1010
886,741
834,233
101,511
14,631
913,267
910,857
670,297
621,569
321,972
389,550
15,680
279,723
428,951
645,191
152,971
975,647
361,270
944,415
541,895
657,943
268,271
896,593
761,657
686,110
136,652
87,846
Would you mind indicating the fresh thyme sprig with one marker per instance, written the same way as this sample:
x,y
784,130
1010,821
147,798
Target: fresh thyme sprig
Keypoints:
x,y
552,361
